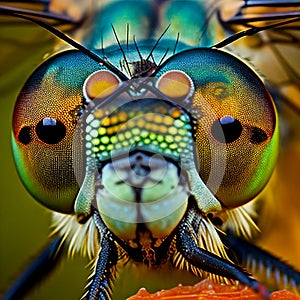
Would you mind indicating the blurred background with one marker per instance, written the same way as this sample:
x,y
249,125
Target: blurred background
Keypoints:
x,y
24,224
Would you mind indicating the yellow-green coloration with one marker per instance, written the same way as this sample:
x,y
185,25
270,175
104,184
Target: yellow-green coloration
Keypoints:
x,y
150,129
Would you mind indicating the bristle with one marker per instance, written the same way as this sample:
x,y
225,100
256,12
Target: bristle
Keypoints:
x,y
176,43
122,51
81,238
274,275
157,42
206,236
240,221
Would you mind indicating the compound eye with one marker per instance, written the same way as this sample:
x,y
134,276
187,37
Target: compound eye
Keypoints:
x,y
100,85
235,121
44,123
237,131
175,84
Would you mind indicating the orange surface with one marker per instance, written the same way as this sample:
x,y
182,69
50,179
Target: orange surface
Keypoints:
x,y
206,290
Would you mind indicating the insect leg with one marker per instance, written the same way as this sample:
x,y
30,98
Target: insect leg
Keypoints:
x,y
262,262
37,271
104,270
209,262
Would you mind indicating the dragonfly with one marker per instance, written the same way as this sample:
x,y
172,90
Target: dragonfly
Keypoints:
x,y
137,70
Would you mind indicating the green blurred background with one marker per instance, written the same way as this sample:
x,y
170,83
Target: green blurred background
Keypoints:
x,y
24,224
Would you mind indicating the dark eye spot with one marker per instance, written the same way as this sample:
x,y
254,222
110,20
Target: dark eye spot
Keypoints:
x,y
258,135
50,131
226,129
24,135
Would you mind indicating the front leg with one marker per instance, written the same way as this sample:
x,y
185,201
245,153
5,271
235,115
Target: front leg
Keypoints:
x,y
270,269
104,270
209,262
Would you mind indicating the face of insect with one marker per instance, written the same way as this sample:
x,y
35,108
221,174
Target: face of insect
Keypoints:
x,y
91,138
182,144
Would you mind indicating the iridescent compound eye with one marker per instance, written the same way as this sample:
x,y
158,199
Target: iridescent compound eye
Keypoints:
x,y
236,130
45,117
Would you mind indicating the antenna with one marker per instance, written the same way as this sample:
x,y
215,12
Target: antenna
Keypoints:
x,y
38,14
251,31
58,33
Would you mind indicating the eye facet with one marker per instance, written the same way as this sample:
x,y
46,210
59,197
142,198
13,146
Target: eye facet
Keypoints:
x,y
50,131
226,129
